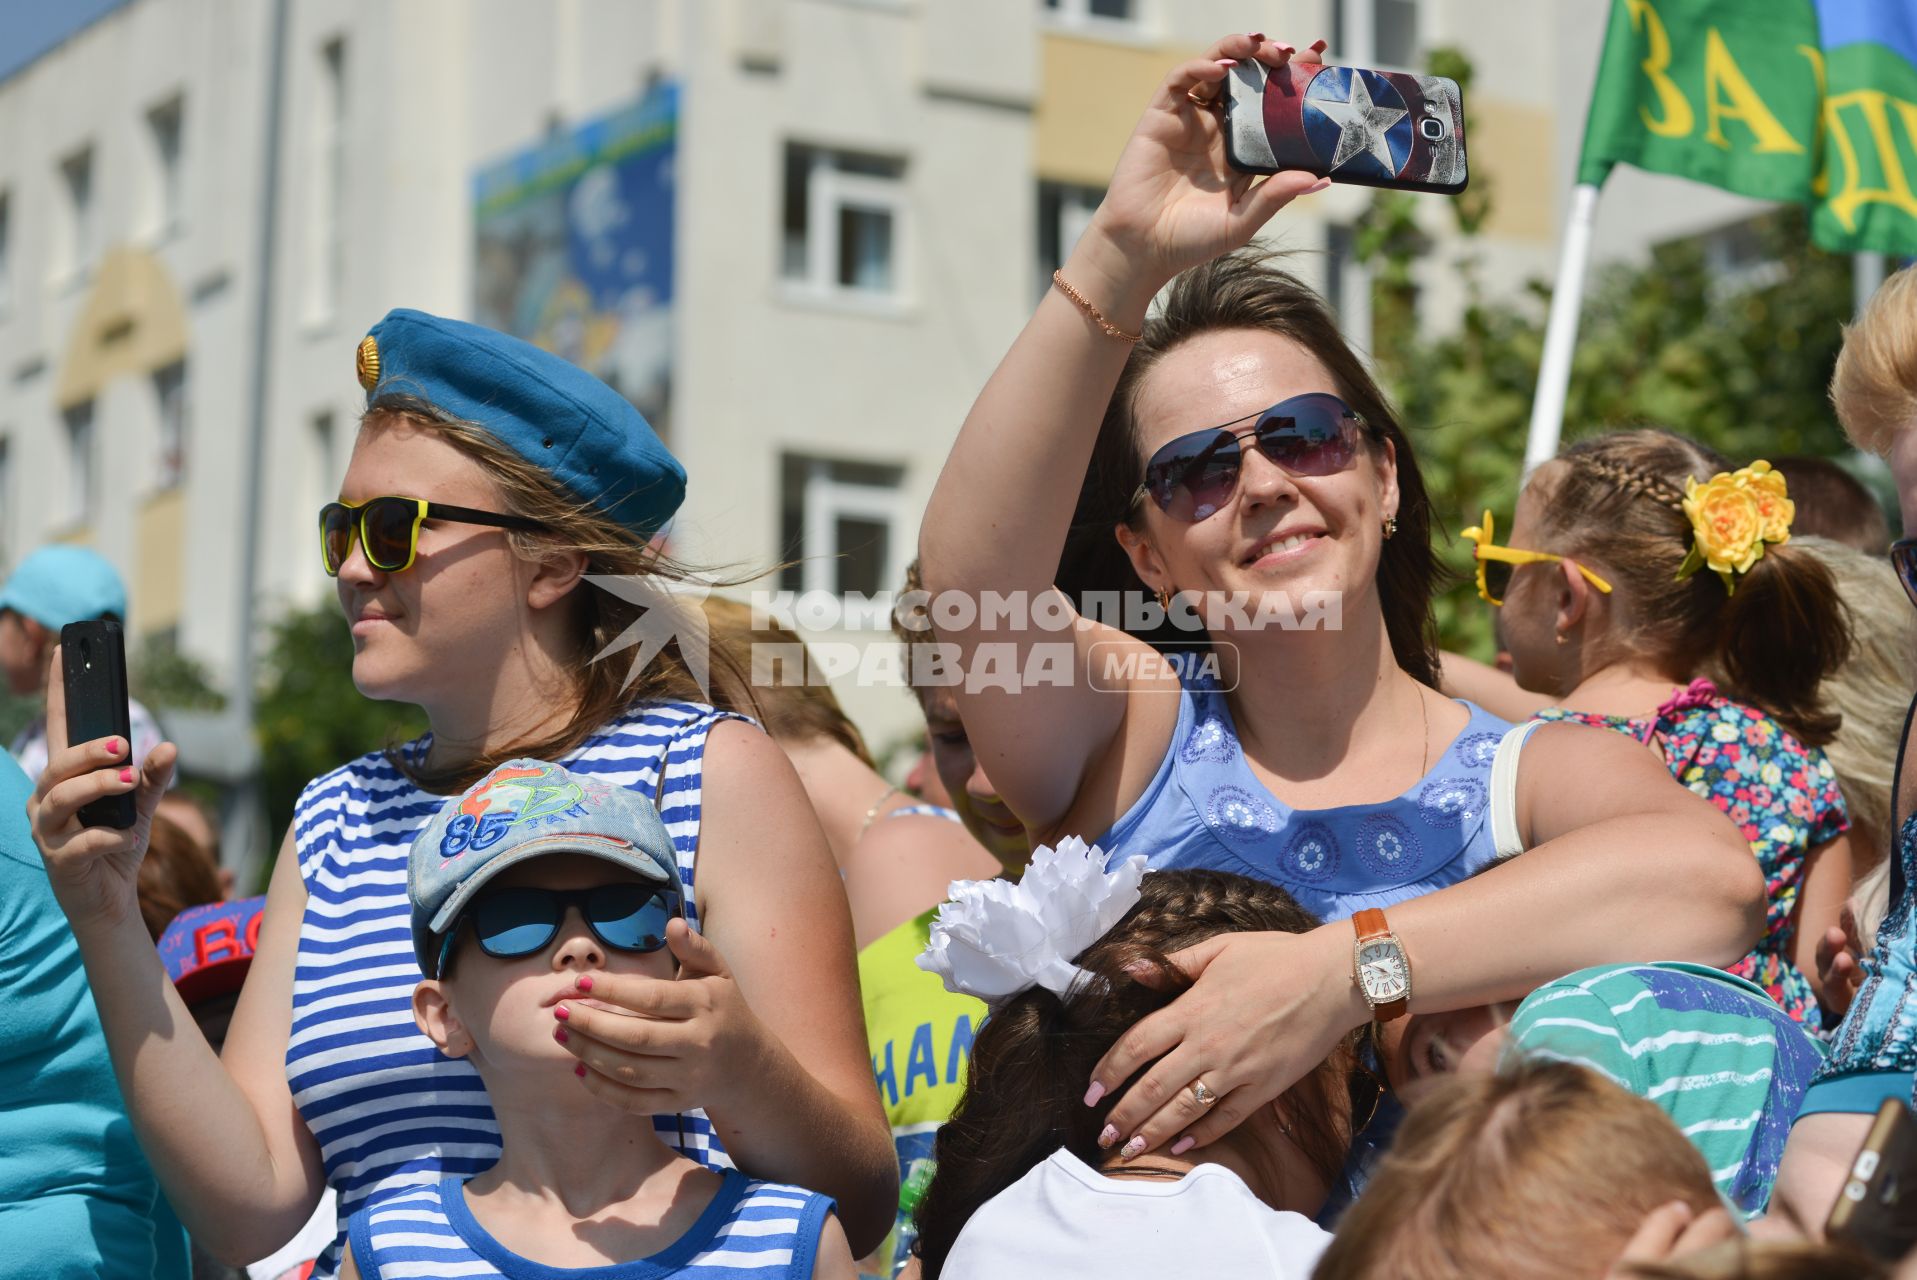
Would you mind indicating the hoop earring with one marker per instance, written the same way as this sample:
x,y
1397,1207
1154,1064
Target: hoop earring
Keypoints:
x,y
1390,527
1164,599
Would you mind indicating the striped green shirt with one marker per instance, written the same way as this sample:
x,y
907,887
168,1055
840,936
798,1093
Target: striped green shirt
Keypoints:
x,y
1712,1050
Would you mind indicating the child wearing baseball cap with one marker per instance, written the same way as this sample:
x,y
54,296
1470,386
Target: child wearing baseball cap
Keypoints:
x,y
527,890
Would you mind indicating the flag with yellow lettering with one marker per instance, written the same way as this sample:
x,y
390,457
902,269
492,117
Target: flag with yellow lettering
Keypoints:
x,y
1810,101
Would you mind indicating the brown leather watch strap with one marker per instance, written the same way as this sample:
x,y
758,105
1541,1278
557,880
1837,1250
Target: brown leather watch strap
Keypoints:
x,y
1370,925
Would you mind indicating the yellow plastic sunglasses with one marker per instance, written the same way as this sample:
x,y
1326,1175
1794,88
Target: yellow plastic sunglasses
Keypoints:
x,y
388,529
1495,564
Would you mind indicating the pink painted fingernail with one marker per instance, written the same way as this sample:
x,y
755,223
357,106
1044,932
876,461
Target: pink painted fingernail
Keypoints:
x,y
560,1012
580,1070
1317,186
1258,36
113,746
1317,46
1285,48
1183,1145
1228,63
559,1034
126,775
1133,1149
1093,1094
1107,1136
584,984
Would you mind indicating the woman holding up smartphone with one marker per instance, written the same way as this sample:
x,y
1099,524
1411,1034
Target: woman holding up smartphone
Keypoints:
x,y
488,479
1241,449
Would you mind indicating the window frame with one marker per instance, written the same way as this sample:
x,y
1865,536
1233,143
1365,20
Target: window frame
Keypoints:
x,y
166,215
174,419
824,500
828,190
78,422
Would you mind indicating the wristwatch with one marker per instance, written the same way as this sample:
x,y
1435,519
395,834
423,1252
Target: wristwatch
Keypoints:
x,y
1383,969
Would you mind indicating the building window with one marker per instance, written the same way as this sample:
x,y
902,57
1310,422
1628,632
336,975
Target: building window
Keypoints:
x,y
6,256
326,255
80,471
76,182
1375,33
1089,12
1348,284
169,390
843,524
321,461
1063,213
167,198
844,222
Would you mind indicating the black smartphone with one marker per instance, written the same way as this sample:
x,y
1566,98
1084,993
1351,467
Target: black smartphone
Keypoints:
x,y
1877,1209
1349,124
93,662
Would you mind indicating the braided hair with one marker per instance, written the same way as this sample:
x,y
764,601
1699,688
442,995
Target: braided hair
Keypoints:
x,y
1025,1085
1616,501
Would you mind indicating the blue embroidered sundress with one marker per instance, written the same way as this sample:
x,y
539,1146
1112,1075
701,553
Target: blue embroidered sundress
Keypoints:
x,y
1205,808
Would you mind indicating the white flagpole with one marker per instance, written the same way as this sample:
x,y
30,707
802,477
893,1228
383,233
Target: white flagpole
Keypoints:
x,y
1561,331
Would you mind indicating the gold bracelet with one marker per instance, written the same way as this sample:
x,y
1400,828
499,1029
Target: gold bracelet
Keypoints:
x,y
1097,316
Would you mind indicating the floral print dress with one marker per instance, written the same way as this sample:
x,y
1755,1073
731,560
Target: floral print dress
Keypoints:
x,y
1781,794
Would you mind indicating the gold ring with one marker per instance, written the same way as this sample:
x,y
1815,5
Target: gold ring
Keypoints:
x,y
1192,96
1201,1095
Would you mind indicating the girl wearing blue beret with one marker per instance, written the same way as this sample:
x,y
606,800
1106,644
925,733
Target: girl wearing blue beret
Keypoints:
x,y
488,480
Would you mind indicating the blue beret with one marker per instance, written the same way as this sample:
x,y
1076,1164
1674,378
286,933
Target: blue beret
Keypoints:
x,y
551,413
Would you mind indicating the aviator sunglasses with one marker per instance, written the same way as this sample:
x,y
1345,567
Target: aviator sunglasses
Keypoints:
x,y
388,529
522,920
1194,476
1903,558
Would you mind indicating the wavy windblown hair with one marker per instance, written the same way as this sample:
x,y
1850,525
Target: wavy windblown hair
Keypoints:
x,y
600,689
1025,1086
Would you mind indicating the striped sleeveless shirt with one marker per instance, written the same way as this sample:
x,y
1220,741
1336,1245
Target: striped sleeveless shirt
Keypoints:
x,y
759,1229
385,1106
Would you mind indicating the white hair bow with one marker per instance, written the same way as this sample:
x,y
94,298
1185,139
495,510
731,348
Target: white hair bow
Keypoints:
x,y
996,938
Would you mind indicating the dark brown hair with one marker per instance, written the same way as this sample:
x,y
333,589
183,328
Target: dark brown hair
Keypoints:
x,y
176,873
602,689
1544,1169
1244,290
1618,501
1025,1085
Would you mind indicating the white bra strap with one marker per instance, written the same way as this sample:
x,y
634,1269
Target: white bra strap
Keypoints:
x,y
1506,838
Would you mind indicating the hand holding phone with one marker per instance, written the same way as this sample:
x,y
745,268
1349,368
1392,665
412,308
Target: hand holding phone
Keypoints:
x,y
1877,1209
93,662
1349,124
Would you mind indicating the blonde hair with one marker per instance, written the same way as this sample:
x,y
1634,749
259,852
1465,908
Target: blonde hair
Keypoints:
x,y
1874,386
1544,1169
1872,688
572,525
792,706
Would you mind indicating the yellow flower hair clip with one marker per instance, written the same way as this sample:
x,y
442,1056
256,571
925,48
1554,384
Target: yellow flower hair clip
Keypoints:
x,y
1733,516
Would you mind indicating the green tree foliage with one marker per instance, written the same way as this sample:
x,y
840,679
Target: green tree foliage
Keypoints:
x,y
1738,360
310,718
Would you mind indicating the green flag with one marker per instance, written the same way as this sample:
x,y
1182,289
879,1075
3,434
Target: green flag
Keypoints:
x,y
1809,101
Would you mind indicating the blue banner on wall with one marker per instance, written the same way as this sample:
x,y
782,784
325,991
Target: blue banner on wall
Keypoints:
x,y
573,242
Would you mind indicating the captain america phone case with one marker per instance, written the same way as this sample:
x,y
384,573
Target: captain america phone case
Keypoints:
x,y
1349,124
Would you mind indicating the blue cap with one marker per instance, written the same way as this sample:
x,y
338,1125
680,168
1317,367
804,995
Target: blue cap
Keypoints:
x,y
553,414
58,585
526,809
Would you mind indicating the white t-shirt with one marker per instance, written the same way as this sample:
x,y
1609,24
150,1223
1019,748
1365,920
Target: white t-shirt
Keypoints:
x,y
1065,1219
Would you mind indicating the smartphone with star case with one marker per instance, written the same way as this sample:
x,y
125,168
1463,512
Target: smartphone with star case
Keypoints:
x,y
1349,124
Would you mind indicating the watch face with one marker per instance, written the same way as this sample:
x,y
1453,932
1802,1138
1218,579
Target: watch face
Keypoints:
x,y
1382,972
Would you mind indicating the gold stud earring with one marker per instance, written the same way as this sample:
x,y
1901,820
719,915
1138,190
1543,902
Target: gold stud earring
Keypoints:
x,y
1390,527
1560,637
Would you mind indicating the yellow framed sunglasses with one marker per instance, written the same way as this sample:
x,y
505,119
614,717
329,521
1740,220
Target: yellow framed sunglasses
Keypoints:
x,y
1495,564
388,529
